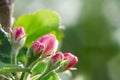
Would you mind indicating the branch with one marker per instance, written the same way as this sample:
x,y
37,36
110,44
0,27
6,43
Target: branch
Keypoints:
x,y
6,9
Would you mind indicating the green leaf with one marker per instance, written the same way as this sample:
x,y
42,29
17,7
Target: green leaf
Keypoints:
x,y
6,68
38,24
51,76
22,55
5,46
41,66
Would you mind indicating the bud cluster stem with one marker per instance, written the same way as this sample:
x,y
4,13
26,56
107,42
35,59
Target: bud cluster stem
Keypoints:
x,y
25,75
49,69
14,53
44,74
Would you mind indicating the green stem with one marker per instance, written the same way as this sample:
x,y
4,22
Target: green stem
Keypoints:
x,y
25,75
10,75
14,56
49,69
44,74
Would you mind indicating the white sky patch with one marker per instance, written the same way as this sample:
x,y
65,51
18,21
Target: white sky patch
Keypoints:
x,y
69,10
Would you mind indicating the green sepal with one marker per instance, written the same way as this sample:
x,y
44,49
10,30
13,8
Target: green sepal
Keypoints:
x,y
54,66
31,57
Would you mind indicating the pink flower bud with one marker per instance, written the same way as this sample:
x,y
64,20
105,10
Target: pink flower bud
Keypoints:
x,y
57,57
18,35
50,43
71,60
37,46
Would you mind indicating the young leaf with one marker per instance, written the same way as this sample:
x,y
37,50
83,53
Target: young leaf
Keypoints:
x,y
5,47
7,68
41,66
38,24
22,55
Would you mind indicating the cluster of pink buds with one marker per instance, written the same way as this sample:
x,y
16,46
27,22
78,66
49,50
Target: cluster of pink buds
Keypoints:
x,y
46,45
70,60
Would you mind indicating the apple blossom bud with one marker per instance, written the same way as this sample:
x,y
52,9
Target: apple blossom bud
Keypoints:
x,y
51,44
18,35
37,46
71,60
58,57
17,41
18,32
55,61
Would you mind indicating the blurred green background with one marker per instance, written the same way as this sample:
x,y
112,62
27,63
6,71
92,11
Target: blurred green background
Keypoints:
x,y
91,32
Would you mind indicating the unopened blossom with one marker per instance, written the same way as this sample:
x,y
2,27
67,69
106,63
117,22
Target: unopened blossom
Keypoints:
x,y
37,47
18,35
71,60
51,44
58,57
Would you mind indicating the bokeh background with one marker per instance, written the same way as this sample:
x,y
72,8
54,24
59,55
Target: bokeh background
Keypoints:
x,y
91,32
